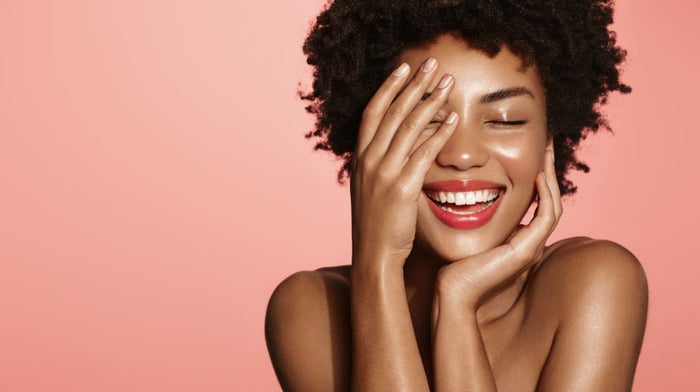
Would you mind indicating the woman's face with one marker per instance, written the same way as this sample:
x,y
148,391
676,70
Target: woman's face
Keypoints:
x,y
482,182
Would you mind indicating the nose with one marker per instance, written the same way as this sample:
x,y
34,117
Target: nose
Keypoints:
x,y
465,149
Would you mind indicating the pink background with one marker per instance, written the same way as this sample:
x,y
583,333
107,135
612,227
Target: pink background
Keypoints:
x,y
156,187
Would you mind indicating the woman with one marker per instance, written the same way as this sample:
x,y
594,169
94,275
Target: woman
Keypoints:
x,y
479,117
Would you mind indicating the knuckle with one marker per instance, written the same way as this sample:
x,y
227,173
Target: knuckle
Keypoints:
x,y
427,132
522,253
511,250
408,125
394,111
366,163
369,112
403,190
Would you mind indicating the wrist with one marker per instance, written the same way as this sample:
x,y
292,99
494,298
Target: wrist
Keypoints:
x,y
452,305
366,271
376,260
453,296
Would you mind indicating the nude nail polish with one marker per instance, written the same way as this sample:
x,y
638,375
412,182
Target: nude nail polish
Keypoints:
x,y
401,70
429,65
445,81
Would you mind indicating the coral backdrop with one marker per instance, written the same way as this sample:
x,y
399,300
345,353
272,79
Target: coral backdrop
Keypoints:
x,y
156,187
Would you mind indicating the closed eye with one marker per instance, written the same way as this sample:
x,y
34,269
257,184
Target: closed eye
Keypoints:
x,y
507,123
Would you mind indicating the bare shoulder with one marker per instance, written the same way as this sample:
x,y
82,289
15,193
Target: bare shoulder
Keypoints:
x,y
597,291
581,267
307,330
304,287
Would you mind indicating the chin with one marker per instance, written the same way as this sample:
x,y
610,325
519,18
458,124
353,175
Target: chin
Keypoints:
x,y
449,244
449,249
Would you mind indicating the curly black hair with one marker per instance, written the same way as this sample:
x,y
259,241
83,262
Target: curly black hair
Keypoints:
x,y
354,45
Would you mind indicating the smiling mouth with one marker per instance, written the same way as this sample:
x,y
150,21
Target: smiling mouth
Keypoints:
x,y
464,203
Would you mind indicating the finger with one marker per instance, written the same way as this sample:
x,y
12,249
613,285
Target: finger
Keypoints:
x,y
552,183
536,232
545,218
378,104
401,107
420,161
410,130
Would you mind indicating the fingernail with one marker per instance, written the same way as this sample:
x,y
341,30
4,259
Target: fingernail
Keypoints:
x,y
429,65
451,118
445,81
401,70
551,154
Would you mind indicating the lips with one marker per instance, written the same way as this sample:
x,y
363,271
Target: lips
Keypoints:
x,y
464,205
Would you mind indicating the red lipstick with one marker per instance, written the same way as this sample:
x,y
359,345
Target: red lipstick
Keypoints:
x,y
464,205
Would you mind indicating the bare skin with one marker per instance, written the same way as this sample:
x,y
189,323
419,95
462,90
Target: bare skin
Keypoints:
x,y
426,306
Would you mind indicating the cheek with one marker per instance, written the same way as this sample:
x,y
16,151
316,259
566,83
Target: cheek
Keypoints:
x,y
521,156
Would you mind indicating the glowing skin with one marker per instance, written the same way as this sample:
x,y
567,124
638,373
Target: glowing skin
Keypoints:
x,y
446,292
484,146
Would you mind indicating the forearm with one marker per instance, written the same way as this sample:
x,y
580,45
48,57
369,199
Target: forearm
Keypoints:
x,y
459,356
385,351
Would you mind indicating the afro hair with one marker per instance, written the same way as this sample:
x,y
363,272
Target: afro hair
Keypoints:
x,y
354,45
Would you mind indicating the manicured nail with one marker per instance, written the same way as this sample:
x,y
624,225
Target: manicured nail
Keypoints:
x,y
551,154
445,81
451,118
429,65
401,70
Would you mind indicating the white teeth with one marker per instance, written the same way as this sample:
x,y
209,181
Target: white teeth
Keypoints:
x,y
464,198
471,198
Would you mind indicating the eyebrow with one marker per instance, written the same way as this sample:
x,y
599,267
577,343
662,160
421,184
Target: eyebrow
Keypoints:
x,y
498,95
505,93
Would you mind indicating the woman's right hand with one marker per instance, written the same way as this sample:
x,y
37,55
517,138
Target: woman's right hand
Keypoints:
x,y
396,145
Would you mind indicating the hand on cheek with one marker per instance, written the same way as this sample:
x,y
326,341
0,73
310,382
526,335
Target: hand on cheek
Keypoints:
x,y
470,280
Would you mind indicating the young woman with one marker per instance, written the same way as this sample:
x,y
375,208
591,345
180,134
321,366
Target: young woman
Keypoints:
x,y
479,117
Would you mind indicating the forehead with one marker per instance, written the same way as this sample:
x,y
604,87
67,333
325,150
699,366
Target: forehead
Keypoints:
x,y
473,69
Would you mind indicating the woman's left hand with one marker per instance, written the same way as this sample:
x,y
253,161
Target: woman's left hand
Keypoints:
x,y
471,280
